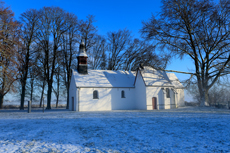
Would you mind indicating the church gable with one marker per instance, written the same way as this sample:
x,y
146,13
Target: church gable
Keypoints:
x,y
175,81
154,77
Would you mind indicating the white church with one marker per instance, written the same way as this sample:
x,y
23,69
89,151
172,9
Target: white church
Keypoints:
x,y
104,90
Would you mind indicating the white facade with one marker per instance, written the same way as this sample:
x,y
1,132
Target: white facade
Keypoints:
x,y
108,99
139,89
140,93
73,95
180,98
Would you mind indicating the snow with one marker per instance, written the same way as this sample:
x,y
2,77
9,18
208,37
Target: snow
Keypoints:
x,y
174,80
82,54
82,51
119,79
105,78
174,130
154,77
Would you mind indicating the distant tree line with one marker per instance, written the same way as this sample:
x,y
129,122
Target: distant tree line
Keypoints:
x,y
39,50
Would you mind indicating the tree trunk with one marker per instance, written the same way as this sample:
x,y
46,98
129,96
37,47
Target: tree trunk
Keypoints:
x,y
69,75
43,88
204,99
58,86
67,106
49,96
32,89
23,96
25,78
57,101
1,101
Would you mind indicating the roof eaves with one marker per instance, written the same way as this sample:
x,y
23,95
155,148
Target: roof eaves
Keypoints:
x,y
159,86
143,79
102,87
179,87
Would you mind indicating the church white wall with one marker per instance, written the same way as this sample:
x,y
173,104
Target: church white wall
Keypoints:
x,y
127,103
139,98
153,92
87,103
73,95
169,102
172,99
180,98
140,93
162,101
109,99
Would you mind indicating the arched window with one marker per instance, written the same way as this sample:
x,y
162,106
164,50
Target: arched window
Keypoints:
x,y
122,94
167,93
95,94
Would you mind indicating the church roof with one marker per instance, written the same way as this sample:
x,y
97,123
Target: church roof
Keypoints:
x,y
174,80
105,78
126,79
154,77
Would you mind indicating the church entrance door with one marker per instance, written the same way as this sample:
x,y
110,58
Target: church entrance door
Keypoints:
x,y
154,102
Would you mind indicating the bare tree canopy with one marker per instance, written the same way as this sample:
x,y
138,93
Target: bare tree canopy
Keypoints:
x,y
199,29
88,31
119,51
126,53
97,53
118,42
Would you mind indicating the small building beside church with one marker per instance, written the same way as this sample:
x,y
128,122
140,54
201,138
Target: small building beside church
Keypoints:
x,y
104,90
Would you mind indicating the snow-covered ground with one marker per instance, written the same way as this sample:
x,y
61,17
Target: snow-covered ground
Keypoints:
x,y
177,130
16,103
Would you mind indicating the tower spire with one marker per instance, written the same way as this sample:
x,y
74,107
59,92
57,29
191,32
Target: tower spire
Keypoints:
x,y
82,66
82,51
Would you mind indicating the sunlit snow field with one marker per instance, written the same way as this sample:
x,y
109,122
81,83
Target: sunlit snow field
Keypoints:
x,y
177,130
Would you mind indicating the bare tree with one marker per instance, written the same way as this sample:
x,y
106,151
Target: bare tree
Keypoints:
x,y
29,20
103,64
41,69
219,95
117,44
88,31
58,83
31,83
53,24
9,40
124,53
59,73
97,54
141,52
68,50
198,29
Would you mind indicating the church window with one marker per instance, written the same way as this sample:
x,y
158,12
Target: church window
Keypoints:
x,y
95,94
167,93
122,94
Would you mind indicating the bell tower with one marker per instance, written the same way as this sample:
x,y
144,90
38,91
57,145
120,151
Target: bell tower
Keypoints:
x,y
82,66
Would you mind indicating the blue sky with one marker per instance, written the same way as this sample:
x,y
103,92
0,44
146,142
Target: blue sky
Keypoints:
x,y
111,15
